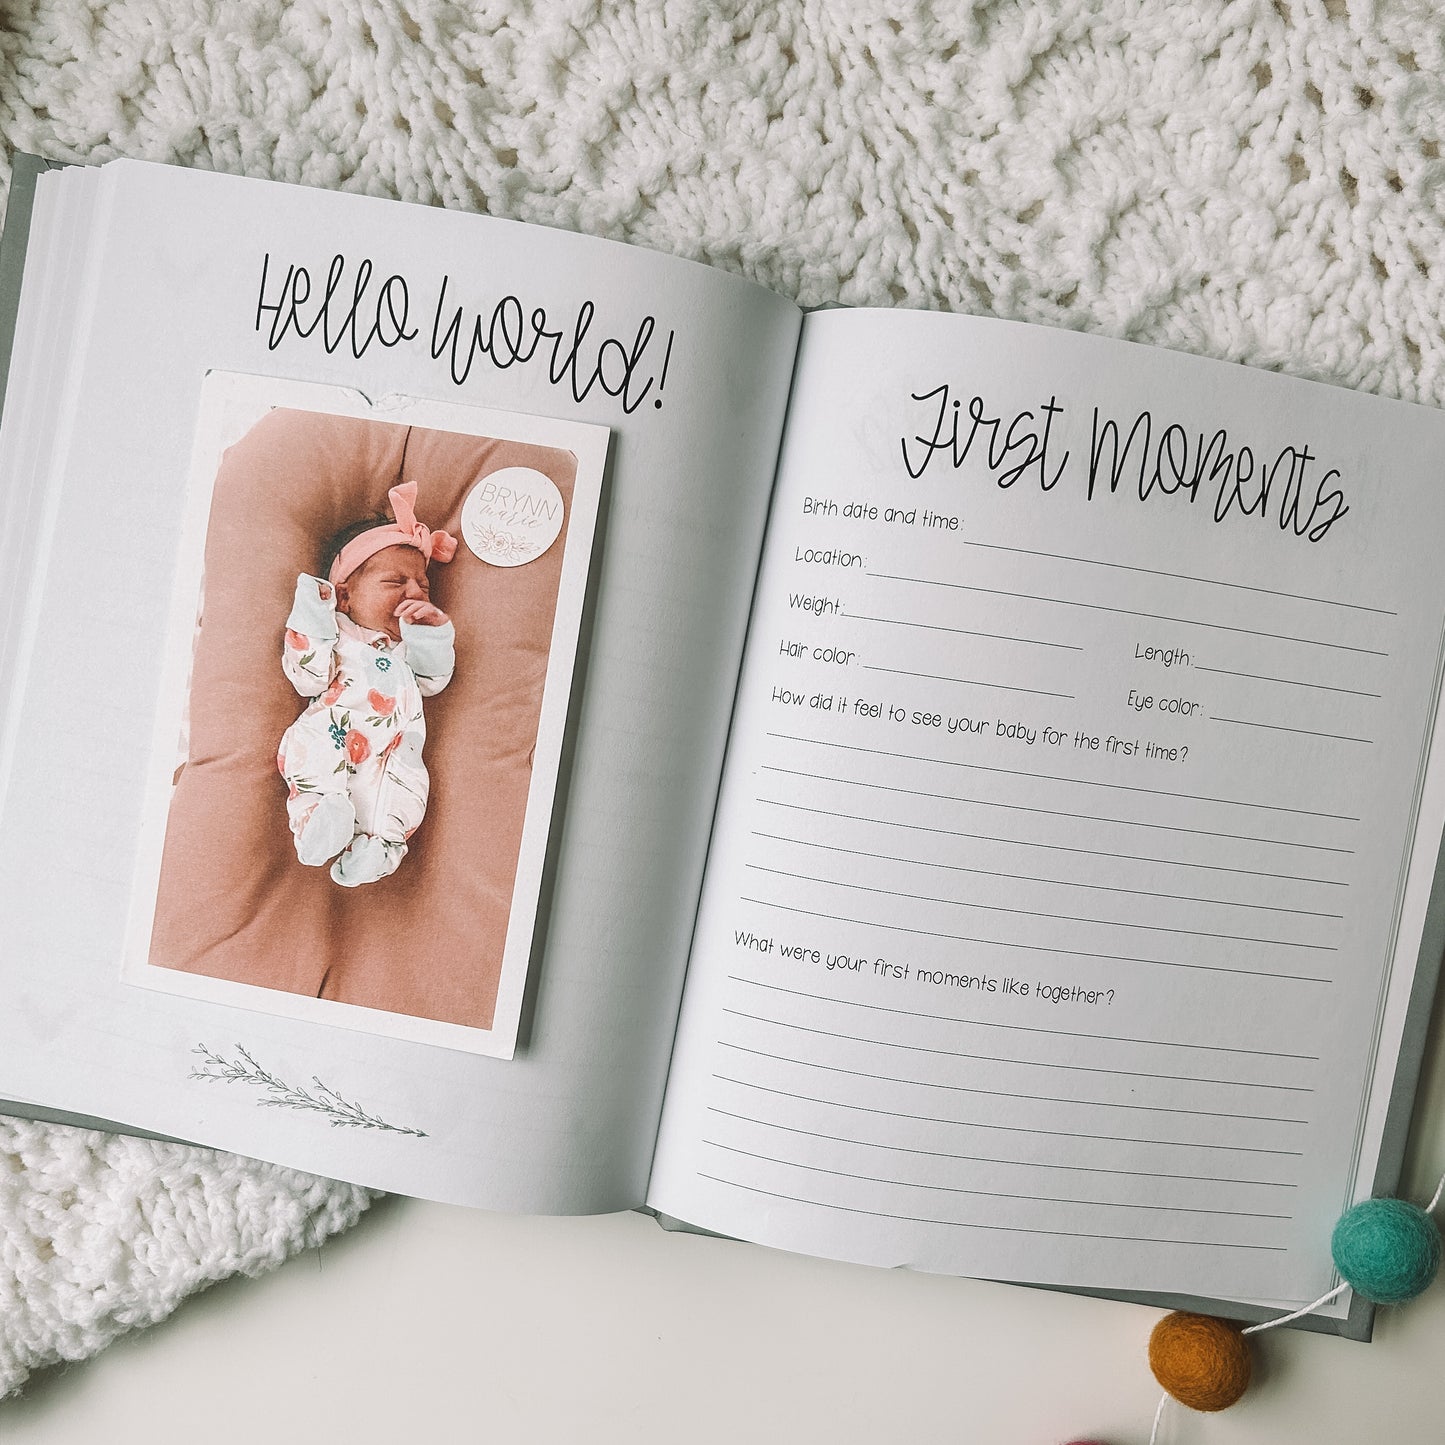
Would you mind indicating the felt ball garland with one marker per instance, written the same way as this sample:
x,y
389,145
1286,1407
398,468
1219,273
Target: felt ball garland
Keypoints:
x,y
1386,1250
1201,1361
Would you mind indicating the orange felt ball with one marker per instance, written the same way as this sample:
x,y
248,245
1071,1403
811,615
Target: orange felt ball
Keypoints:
x,y
1203,1362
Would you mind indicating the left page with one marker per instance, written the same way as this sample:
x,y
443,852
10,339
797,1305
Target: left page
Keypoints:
x,y
260,384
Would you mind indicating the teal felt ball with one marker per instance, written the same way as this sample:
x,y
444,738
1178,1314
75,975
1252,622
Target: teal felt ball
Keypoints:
x,y
1387,1249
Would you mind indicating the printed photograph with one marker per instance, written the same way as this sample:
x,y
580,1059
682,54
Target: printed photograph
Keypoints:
x,y
374,633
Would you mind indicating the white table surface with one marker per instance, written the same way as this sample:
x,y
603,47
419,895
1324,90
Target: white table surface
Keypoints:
x,y
435,1324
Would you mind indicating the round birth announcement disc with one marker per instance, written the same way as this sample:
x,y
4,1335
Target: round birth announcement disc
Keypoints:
x,y
512,516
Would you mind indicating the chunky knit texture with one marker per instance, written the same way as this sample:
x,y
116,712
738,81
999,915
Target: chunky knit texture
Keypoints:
x,y
1262,182
100,1234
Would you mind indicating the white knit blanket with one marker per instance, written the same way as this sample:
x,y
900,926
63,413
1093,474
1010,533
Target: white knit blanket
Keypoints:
x,y
1259,180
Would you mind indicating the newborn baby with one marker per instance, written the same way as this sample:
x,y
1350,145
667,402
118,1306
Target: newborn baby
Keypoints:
x,y
366,646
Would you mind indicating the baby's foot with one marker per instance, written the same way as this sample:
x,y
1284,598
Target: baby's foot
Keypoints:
x,y
326,830
367,860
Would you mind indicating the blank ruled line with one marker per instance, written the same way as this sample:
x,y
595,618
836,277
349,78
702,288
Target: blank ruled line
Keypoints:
x,y
1288,681
1038,947
990,1193
1131,612
1054,812
1032,878
1041,913
1059,778
1004,1093
967,681
1004,1059
1011,1128
1051,847
1016,1028
1303,732
961,631
992,1159
996,1228
1183,577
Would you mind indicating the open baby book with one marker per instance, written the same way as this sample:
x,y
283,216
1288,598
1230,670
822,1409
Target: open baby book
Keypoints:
x,y
916,789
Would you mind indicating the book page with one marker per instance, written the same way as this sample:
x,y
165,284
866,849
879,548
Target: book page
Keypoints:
x,y
1055,883
465,327
41,352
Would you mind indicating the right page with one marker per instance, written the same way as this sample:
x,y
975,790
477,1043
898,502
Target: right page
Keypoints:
x,y
1053,908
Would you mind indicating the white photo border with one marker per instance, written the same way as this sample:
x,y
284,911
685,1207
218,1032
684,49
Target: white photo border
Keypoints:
x,y
230,404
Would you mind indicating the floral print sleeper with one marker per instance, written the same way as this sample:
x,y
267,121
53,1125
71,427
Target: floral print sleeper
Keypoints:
x,y
352,762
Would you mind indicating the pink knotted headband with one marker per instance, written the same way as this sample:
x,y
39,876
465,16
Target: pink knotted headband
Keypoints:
x,y
406,531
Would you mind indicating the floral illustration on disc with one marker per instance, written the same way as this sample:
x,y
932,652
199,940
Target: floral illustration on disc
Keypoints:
x,y
505,546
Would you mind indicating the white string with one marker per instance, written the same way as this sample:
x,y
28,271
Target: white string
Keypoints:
x,y
1158,1416
1435,1197
1299,1314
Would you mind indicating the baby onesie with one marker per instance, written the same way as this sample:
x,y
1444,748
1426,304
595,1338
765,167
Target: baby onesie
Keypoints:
x,y
352,762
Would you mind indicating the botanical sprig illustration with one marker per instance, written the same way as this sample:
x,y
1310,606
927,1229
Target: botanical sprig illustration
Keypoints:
x,y
320,1099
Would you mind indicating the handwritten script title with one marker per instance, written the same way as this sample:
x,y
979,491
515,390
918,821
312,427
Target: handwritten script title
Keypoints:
x,y
1154,457
353,307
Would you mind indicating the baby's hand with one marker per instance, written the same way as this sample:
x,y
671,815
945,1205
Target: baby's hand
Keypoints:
x,y
421,613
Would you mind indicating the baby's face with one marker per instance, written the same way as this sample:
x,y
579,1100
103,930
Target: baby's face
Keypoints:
x,y
371,595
